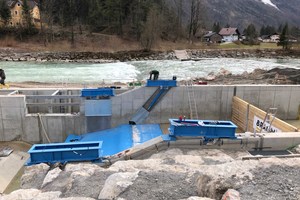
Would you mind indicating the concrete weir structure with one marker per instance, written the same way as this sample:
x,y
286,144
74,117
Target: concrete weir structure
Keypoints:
x,y
42,115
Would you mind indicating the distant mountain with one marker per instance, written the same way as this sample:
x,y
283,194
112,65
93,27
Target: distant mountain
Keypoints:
x,y
240,13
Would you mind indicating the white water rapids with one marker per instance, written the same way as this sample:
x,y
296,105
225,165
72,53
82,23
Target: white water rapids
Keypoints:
x,y
86,73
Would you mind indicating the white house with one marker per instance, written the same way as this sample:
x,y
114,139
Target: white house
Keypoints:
x,y
229,34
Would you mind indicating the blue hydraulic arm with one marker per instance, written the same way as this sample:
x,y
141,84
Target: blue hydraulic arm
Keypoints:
x,y
154,99
163,86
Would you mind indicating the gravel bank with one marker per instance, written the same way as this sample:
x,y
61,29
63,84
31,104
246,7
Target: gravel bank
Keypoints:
x,y
100,57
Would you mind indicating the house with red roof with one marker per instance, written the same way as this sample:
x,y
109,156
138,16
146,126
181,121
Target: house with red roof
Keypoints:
x,y
229,34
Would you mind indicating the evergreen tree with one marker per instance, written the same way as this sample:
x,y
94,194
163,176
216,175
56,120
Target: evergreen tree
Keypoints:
x,y
251,34
263,30
5,14
95,18
283,40
295,32
280,28
270,30
216,27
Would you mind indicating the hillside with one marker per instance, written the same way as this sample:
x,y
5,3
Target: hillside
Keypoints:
x,y
240,13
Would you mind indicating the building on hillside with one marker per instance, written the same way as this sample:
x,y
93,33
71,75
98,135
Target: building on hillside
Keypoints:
x,y
17,12
213,37
229,34
292,39
274,38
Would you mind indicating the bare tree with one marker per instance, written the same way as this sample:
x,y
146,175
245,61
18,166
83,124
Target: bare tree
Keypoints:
x,y
152,28
179,8
46,19
196,19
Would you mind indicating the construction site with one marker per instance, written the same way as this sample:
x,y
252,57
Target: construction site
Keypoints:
x,y
163,140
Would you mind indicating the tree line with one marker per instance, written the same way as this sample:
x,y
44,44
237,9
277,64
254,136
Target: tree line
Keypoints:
x,y
286,34
141,20
145,21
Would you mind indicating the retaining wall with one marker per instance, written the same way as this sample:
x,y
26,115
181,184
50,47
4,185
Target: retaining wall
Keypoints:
x,y
213,102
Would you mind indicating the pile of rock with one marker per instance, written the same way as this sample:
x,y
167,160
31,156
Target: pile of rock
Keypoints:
x,y
258,76
185,174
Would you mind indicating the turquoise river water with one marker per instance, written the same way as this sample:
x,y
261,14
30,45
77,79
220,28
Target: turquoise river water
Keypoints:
x,y
87,73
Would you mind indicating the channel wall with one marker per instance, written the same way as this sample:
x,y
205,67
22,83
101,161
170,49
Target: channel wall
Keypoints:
x,y
35,125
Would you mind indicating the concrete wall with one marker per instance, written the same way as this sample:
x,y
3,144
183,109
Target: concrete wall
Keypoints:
x,y
285,98
12,112
16,124
213,102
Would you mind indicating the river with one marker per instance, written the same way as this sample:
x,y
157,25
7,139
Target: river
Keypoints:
x,y
86,73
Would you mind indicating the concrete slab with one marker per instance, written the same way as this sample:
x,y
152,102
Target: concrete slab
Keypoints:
x,y
126,108
139,93
12,113
266,97
1,130
116,100
13,101
281,101
178,106
294,103
226,102
251,94
12,134
138,103
54,128
127,97
212,106
10,166
181,54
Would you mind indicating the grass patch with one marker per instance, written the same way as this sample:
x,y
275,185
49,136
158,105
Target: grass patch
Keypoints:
x,y
242,46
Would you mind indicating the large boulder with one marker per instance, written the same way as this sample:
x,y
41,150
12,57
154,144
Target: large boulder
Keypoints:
x,y
33,176
116,184
51,175
231,194
77,180
31,194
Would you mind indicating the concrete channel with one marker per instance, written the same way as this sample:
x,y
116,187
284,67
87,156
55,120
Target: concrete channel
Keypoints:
x,y
50,115
27,114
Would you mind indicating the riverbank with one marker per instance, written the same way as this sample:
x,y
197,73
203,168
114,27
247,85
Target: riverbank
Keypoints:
x,y
7,54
